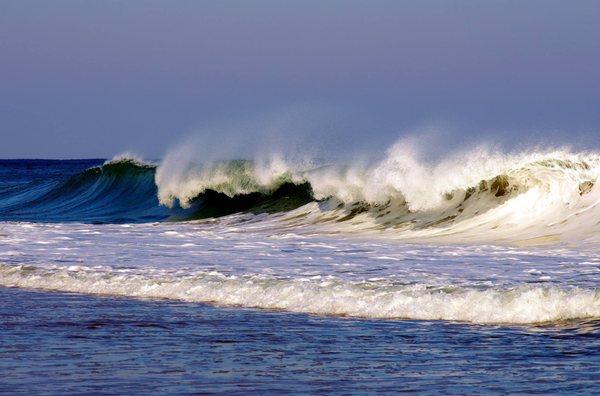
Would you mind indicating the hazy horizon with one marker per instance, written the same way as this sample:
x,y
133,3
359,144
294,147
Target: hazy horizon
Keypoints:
x,y
94,79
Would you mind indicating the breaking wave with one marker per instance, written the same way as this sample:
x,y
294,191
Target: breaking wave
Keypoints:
x,y
536,197
323,296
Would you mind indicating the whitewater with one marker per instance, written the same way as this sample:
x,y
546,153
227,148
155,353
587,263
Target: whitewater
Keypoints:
x,y
478,236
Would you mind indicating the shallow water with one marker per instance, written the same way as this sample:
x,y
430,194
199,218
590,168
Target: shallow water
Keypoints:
x,y
253,264
57,343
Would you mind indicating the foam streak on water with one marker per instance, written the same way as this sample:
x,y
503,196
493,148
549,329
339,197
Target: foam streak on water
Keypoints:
x,y
251,264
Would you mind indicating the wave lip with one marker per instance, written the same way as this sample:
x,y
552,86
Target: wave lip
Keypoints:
x,y
523,304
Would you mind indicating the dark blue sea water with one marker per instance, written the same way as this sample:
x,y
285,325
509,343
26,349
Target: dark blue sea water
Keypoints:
x,y
78,191
103,290
67,343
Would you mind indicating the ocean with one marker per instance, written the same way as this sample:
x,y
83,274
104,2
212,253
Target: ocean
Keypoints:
x,y
470,275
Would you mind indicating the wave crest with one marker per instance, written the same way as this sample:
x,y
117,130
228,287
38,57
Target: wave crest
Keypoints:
x,y
479,195
401,175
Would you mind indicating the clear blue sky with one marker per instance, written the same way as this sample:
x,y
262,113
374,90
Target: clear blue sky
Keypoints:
x,y
93,78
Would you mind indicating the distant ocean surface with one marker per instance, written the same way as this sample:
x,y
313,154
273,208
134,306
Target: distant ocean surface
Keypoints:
x,y
471,275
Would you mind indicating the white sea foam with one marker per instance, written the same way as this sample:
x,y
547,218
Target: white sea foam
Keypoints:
x,y
322,296
130,157
549,195
402,173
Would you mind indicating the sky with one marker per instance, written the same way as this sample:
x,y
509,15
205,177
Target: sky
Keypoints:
x,y
95,78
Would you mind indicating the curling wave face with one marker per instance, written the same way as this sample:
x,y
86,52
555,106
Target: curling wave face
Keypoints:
x,y
117,191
